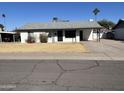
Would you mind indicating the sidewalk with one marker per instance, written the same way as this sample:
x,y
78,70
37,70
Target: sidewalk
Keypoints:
x,y
61,56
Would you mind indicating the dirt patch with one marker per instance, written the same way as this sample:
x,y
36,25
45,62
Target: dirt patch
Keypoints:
x,y
45,47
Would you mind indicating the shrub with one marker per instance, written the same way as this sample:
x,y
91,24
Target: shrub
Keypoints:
x,y
30,39
43,38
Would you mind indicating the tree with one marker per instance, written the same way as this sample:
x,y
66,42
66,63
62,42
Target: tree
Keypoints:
x,y
3,15
106,23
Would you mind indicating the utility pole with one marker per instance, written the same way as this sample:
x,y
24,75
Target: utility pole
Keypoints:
x,y
96,11
4,21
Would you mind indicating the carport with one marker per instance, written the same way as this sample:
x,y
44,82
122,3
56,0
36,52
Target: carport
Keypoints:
x,y
9,37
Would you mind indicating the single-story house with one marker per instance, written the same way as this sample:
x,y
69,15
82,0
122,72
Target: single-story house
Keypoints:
x,y
118,30
61,31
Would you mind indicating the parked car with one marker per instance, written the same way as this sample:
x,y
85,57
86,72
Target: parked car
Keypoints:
x,y
110,35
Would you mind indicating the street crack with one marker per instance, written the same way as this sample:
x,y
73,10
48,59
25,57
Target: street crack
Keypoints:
x,y
18,82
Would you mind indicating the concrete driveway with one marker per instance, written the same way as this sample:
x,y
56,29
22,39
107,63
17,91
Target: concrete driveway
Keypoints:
x,y
61,75
111,48
105,45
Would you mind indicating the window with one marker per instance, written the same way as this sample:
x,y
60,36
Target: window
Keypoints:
x,y
70,33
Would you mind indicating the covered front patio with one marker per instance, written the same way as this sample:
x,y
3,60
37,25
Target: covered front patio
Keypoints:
x,y
9,37
73,35
63,36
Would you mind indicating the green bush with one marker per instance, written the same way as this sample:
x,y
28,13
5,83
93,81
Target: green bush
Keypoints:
x,y
30,39
43,38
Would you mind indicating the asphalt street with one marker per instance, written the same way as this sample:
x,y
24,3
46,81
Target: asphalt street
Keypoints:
x,y
61,75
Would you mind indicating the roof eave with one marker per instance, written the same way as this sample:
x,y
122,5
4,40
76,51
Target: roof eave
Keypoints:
x,y
57,29
117,24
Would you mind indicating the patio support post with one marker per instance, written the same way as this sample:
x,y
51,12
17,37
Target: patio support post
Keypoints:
x,y
63,31
93,34
13,38
53,38
0,38
99,34
77,36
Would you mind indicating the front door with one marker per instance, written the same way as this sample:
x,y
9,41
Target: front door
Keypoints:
x,y
60,35
81,35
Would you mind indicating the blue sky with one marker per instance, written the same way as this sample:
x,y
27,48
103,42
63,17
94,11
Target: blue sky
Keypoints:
x,y
18,14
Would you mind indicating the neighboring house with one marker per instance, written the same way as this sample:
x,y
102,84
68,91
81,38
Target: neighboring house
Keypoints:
x,y
104,33
7,36
1,28
118,30
61,31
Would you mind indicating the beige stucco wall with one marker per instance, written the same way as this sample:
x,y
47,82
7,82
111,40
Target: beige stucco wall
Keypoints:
x,y
88,34
1,30
24,37
36,35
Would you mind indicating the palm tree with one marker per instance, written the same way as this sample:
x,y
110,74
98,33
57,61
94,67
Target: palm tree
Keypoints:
x,y
96,11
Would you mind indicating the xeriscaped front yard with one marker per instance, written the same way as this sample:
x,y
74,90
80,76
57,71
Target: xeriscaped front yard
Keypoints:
x,y
46,47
